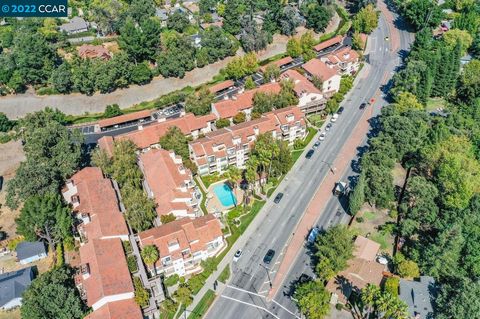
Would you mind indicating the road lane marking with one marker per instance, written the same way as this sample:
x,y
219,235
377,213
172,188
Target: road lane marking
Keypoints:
x,y
249,304
244,290
286,309
263,292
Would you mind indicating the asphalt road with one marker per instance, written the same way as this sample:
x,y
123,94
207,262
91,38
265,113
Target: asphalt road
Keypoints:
x,y
244,295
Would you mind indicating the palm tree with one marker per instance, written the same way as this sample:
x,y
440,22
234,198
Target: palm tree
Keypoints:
x,y
234,174
150,255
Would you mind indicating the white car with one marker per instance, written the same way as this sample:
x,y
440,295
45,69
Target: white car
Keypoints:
x,y
322,136
237,255
334,118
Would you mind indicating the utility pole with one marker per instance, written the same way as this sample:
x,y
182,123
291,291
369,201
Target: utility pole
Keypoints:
x,y
268,275
332,169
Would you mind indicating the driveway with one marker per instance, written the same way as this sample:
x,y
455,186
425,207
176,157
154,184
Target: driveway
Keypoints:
x,y
17,106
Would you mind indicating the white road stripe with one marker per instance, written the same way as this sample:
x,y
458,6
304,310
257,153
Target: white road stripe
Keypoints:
x,y
249,304
246,291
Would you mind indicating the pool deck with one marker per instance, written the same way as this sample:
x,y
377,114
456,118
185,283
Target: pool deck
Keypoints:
x,y
213,204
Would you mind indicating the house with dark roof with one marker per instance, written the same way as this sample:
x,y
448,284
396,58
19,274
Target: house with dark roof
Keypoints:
x,y
12,286
28,252
419,296
75,25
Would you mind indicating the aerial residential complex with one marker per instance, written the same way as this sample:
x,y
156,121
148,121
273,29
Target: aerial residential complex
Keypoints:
x,y
184,243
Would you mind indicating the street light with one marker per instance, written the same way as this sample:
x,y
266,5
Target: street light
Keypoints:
x,y
268,275
332,169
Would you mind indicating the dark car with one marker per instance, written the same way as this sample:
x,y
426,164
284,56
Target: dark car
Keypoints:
x,y
309,154
363,105
340,110
328,127
269,256
278,198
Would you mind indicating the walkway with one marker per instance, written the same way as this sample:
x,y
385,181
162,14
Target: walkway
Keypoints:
x,y
17,106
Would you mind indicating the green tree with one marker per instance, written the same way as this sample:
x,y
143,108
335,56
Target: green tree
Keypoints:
x,y
140,209
307,42
459,300
406,101
366,20
112,111
101,159
253,37
53,153
272,72
183,295
454,36
141,42
231,16
313,299
294,48
5,124
334,249
357,197
62,78
53,295
392,285
178,21
200,103
221,123
421,13
150,255
316,15
177,58
107,14
141,294
249,83
408,269
141,10
381,304
140,73
45,217
174,140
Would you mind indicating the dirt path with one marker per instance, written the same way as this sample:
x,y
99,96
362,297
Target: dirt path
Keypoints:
x,y
16,106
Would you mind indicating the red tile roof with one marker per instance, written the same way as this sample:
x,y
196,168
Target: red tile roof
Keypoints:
x,y
328,43
106,143
279,63
230,108
123,309
221,86
317,68
188,233
98,198
124,118
151,134
93,51
302,84
345,54
164,178
365,248
237,135
109,273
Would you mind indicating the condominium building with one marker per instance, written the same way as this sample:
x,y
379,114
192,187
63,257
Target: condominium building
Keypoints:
x,y
169,183
184,243
326,73
103,278
147,136
346,61
242,102
310,98
95,206
232,145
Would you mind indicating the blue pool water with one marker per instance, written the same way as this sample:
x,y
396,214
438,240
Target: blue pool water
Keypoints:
x,y
225,195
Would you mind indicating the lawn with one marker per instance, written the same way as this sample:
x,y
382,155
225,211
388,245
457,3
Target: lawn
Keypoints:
x,y
311,134
204,198
13,314
435,103
225,275
296,155
211,179
203,305
316,119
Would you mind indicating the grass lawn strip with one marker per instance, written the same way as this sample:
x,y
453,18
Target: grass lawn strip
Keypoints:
x,y
203,305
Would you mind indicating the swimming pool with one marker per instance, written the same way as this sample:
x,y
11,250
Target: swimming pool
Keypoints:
x,y
225,195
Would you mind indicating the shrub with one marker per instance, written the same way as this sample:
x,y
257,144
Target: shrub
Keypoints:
x,y
132,264
60,257
141,294
359,219
391,285
127,247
